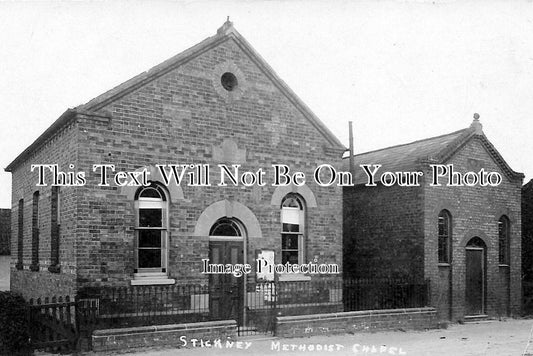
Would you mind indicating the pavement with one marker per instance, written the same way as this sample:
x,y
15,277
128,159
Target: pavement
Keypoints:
x,y
497,338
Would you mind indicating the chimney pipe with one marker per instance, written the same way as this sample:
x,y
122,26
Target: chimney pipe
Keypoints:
x,y
350,132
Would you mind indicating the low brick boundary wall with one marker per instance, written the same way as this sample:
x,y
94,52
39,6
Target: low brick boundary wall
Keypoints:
x,y
357,321
167,335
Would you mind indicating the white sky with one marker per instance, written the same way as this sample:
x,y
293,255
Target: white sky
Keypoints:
x,y
401,70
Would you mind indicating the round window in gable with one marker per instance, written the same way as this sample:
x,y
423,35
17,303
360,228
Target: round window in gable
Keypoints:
x,y
229,81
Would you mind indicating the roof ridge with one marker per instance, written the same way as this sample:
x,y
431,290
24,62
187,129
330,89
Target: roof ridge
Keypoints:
x,y
410,143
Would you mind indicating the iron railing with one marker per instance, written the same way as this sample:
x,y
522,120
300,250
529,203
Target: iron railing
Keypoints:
x,y
254,307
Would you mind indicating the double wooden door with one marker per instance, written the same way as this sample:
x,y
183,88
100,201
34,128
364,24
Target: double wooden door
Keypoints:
x,y
226,297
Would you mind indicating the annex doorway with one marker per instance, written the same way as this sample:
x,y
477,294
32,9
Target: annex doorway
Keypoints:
x,y
226,246
475,284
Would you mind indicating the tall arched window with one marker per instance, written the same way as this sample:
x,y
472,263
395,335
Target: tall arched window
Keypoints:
x,y
292,229
54,231
20,235
35,233
151,209
503,240
445,236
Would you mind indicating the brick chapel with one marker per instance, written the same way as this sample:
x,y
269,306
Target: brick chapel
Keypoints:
x,y
218,102
466,240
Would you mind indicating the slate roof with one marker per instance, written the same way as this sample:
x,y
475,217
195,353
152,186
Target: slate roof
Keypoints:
x,y
412,156
224,33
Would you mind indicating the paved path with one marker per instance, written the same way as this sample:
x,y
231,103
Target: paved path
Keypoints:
x,y
496,338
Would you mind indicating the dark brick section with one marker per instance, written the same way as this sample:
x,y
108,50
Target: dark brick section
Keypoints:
x,y
167,335
5,231
383,232
527,231
527,246
355,322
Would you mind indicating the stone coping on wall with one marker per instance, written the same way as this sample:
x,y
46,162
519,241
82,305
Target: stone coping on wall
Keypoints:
x,y
162,335
356,321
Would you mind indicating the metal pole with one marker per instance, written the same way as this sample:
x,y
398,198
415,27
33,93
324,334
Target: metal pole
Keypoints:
x,y
352,164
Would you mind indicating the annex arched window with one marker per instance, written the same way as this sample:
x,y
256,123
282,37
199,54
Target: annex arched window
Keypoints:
x,y
151,229
444,236
503,240
292,229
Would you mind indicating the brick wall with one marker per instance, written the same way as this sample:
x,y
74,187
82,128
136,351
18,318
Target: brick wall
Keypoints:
x,y
60,149
356,322
205,334
475,211
5,231
527,247
180,118
527,231
383,232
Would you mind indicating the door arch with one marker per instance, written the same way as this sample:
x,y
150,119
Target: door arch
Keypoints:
x,y
475,276
226,246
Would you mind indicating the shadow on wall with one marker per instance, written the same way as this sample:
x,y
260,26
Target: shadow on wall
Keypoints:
x,y
4,272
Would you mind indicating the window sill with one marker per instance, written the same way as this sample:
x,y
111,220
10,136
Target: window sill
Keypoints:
x,y
150,282
503,265
441,264
293,277
145,279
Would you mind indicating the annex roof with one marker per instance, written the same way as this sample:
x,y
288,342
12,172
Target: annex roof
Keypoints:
x,y
411,156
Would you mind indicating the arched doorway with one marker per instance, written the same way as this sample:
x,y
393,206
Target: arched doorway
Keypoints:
x,y
475,284
226,246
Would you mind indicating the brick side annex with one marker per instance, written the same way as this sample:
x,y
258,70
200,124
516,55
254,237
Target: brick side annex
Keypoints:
x,y
216,103
465,240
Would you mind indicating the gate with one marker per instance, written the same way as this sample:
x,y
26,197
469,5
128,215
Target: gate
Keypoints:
x,y
53,324
259,309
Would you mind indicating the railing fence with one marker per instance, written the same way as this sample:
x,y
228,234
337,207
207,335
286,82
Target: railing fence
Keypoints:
x,y
64,323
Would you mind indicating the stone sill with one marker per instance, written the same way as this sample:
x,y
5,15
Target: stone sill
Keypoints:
x,y
146,280
289,277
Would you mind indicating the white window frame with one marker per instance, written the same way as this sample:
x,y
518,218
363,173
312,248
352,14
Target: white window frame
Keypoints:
x,y
155,275
301,225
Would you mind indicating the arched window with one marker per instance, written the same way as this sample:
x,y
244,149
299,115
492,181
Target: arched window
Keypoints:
x,y
225,227
35,233
54,231
445,236
292,229
20,235
503,240
151,225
